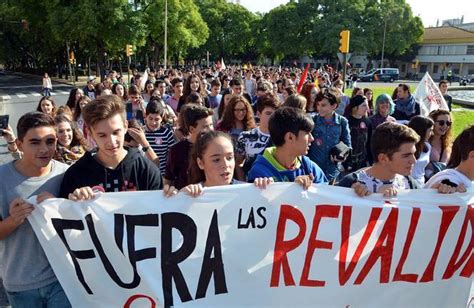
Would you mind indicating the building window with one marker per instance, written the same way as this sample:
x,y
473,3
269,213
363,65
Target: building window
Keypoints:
x,y
470,50
423,68
435,69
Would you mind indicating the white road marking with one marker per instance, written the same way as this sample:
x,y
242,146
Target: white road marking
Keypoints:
x,y
21,95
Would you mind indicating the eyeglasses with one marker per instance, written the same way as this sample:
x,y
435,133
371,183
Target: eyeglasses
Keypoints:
x,y
240,110
443,122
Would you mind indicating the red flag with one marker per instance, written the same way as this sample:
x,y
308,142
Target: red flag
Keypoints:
x,y
302,79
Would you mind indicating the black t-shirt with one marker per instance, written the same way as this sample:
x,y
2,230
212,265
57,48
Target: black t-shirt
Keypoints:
x,y
177,163
134,173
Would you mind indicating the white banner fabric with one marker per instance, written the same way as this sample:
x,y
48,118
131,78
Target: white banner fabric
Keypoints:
x,y
238,246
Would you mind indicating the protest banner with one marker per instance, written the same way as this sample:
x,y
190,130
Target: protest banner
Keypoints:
x,y
282,246
428,95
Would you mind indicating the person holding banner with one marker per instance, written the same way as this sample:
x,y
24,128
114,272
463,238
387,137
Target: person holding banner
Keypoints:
x,y
290,131
393,149
112,168
406,107
460,173
213,164
26,272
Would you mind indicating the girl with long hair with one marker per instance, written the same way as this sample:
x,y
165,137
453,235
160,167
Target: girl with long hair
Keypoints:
x,y
310,91
193,84
71,144
219,111
370,99
423,127
212,164
47,105
121,91
460,173
238,117
440,141
77,114
74,96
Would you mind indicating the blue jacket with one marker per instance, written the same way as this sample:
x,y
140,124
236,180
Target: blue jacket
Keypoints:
x,y
326,136
267,166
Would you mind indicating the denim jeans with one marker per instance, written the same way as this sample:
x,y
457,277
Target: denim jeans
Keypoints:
x,y
50,296
3,295
46,92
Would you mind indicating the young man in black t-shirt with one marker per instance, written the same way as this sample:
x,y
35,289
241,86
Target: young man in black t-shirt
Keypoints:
x,y
112,167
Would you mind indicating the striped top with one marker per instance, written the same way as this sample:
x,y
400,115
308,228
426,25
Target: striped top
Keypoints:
x,y
160,141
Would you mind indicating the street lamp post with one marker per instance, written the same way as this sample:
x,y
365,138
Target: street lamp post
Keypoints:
x,y
166,31
383,42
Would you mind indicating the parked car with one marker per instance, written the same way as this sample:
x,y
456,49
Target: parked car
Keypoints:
x,y
381,74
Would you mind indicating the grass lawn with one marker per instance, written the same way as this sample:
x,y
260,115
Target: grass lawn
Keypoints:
x,y
461,118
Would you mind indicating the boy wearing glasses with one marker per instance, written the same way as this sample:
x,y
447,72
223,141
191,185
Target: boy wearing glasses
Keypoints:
x,y
330,128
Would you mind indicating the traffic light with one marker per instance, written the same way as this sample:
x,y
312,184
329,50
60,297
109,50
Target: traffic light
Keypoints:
x,y
129,50
344,41
72,57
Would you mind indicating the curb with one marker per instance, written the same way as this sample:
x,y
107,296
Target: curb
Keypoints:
x,y
463,102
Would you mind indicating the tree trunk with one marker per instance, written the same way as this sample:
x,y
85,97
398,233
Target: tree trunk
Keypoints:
x,y
88,65
100,60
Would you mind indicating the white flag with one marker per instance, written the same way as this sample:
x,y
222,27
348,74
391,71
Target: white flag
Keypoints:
x,y
429,96
223,64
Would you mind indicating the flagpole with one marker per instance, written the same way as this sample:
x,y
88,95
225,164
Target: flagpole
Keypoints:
x,y
383,42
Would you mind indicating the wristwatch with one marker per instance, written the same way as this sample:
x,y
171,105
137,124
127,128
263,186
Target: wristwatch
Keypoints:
x,y
145,149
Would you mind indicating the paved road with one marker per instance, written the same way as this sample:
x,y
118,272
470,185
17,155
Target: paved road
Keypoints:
x,y
20,94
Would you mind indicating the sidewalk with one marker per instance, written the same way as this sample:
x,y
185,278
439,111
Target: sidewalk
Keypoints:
x,y
82,80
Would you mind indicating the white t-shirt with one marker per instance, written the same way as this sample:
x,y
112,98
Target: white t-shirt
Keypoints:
x,y
373,184
418,172
451,174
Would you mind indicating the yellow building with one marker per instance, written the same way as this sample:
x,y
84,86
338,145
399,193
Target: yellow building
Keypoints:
x,y
443,49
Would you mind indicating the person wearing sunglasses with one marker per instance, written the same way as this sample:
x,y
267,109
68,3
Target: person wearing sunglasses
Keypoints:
x,y
440,141
459,176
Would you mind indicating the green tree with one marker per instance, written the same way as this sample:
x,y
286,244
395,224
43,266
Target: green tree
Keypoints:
x,y
186,27
231,29
102,27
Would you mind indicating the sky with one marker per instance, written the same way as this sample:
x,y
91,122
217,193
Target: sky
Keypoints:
x,y
428,10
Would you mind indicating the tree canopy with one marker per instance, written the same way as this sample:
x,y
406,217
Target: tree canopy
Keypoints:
x,y
99,30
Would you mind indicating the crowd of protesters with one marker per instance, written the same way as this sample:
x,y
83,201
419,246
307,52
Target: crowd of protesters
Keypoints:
x,y
181,131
